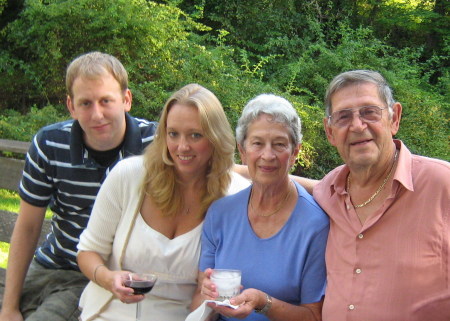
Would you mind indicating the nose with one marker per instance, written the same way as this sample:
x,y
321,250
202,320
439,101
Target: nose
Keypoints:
x,y
357,124
97,111
183,144
267,153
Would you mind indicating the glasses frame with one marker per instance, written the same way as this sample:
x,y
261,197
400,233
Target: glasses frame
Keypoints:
x,y
358,109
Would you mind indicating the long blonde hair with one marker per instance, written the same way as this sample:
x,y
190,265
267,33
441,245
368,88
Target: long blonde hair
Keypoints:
x,y
160,182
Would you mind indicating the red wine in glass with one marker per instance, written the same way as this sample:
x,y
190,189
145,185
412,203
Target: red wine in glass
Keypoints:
x,y
141,283
139,287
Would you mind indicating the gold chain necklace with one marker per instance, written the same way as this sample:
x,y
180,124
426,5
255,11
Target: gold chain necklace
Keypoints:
x,y
286,197
379,188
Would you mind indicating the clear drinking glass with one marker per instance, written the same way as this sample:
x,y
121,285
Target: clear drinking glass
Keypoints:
x,y
228,283
141,283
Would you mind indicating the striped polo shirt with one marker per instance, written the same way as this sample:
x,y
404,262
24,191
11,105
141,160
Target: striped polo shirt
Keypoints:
x,y
59,173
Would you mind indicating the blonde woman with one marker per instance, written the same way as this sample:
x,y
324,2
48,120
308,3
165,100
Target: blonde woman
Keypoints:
x,y
149,212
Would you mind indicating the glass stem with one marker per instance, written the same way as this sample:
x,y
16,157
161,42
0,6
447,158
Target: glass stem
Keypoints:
x,y
138,311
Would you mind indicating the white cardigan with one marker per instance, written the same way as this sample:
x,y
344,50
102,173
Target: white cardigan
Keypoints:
x,y
120,197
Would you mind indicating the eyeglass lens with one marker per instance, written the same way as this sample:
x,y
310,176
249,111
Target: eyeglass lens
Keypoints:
x,y
344,117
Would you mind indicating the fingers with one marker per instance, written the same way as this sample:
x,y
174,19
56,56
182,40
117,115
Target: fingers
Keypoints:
x,y
208,272
208,288
128,299
243,311
209,291
123,293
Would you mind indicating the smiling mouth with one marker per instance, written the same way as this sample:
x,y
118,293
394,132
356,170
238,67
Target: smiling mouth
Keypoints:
x,y
361,142
185,158
267,168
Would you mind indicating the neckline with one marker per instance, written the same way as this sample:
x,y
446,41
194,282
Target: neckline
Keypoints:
x,y
249,225
141,223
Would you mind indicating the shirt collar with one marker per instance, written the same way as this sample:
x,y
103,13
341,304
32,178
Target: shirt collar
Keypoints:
x,y
339,181
402,173
132,143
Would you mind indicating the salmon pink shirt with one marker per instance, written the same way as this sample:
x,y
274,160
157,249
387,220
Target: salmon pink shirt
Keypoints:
x,y
377,271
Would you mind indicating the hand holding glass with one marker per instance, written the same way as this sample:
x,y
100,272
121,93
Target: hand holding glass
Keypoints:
x,y
141,283
228,283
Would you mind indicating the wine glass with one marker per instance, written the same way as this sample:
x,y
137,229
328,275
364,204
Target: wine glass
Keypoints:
x,y
141,283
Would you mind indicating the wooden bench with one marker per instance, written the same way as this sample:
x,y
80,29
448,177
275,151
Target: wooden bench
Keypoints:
x,y
10,175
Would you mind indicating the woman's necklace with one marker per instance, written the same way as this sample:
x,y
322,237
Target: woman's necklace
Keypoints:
x,y
379,188
286,197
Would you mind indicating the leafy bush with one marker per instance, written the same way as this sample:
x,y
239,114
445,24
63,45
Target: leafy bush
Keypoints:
x,y
236,49
48,34
14,125
309,76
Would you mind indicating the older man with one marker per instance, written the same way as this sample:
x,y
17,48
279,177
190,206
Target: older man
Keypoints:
x,y
389,242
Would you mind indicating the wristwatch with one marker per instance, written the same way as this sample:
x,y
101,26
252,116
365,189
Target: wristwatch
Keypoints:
x,y
265,308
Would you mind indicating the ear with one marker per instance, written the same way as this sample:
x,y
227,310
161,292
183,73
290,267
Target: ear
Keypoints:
x,y
328,131
294,155
396,117
71,107
127,98
242,154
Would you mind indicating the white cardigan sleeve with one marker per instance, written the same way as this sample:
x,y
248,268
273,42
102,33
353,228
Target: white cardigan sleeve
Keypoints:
x,y
109,207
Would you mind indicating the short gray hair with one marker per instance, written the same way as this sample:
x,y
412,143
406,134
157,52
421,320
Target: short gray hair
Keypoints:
x,y
355,77
279,108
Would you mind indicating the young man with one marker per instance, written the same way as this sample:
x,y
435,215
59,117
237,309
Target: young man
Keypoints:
x,y
65,166
389,242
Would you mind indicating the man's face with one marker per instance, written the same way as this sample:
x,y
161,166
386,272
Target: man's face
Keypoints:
x,y
99,105
362,144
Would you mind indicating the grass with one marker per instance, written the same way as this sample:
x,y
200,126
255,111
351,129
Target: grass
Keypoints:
x,y
4,249
10,201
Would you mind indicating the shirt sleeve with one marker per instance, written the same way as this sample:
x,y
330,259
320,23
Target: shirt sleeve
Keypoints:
x,y
208,252
36,186
314,276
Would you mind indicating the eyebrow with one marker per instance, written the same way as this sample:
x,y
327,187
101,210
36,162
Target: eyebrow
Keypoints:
x,y
198,130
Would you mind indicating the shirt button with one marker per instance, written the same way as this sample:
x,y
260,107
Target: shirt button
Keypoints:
x,y
351,307
360,236
358,271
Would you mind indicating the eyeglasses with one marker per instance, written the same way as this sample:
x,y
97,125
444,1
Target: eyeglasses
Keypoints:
x,y
344,117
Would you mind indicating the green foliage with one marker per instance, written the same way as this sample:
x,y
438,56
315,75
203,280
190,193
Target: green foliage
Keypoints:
x,y
308,77
317,156
2,5
14,125
48,34
424,126
237,49
9,201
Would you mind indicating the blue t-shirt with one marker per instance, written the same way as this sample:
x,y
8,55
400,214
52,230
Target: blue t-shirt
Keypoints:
x,y
289,265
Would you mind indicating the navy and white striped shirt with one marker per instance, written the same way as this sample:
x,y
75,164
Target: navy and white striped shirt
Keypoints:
x,y
60,173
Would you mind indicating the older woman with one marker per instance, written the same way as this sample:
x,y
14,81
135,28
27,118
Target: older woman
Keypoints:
x,y
149,212
273,231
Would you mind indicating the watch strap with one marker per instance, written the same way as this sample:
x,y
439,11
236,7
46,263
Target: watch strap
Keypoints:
x,y
266,307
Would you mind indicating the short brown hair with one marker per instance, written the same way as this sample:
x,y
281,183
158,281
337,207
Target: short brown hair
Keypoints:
x,y
93,65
